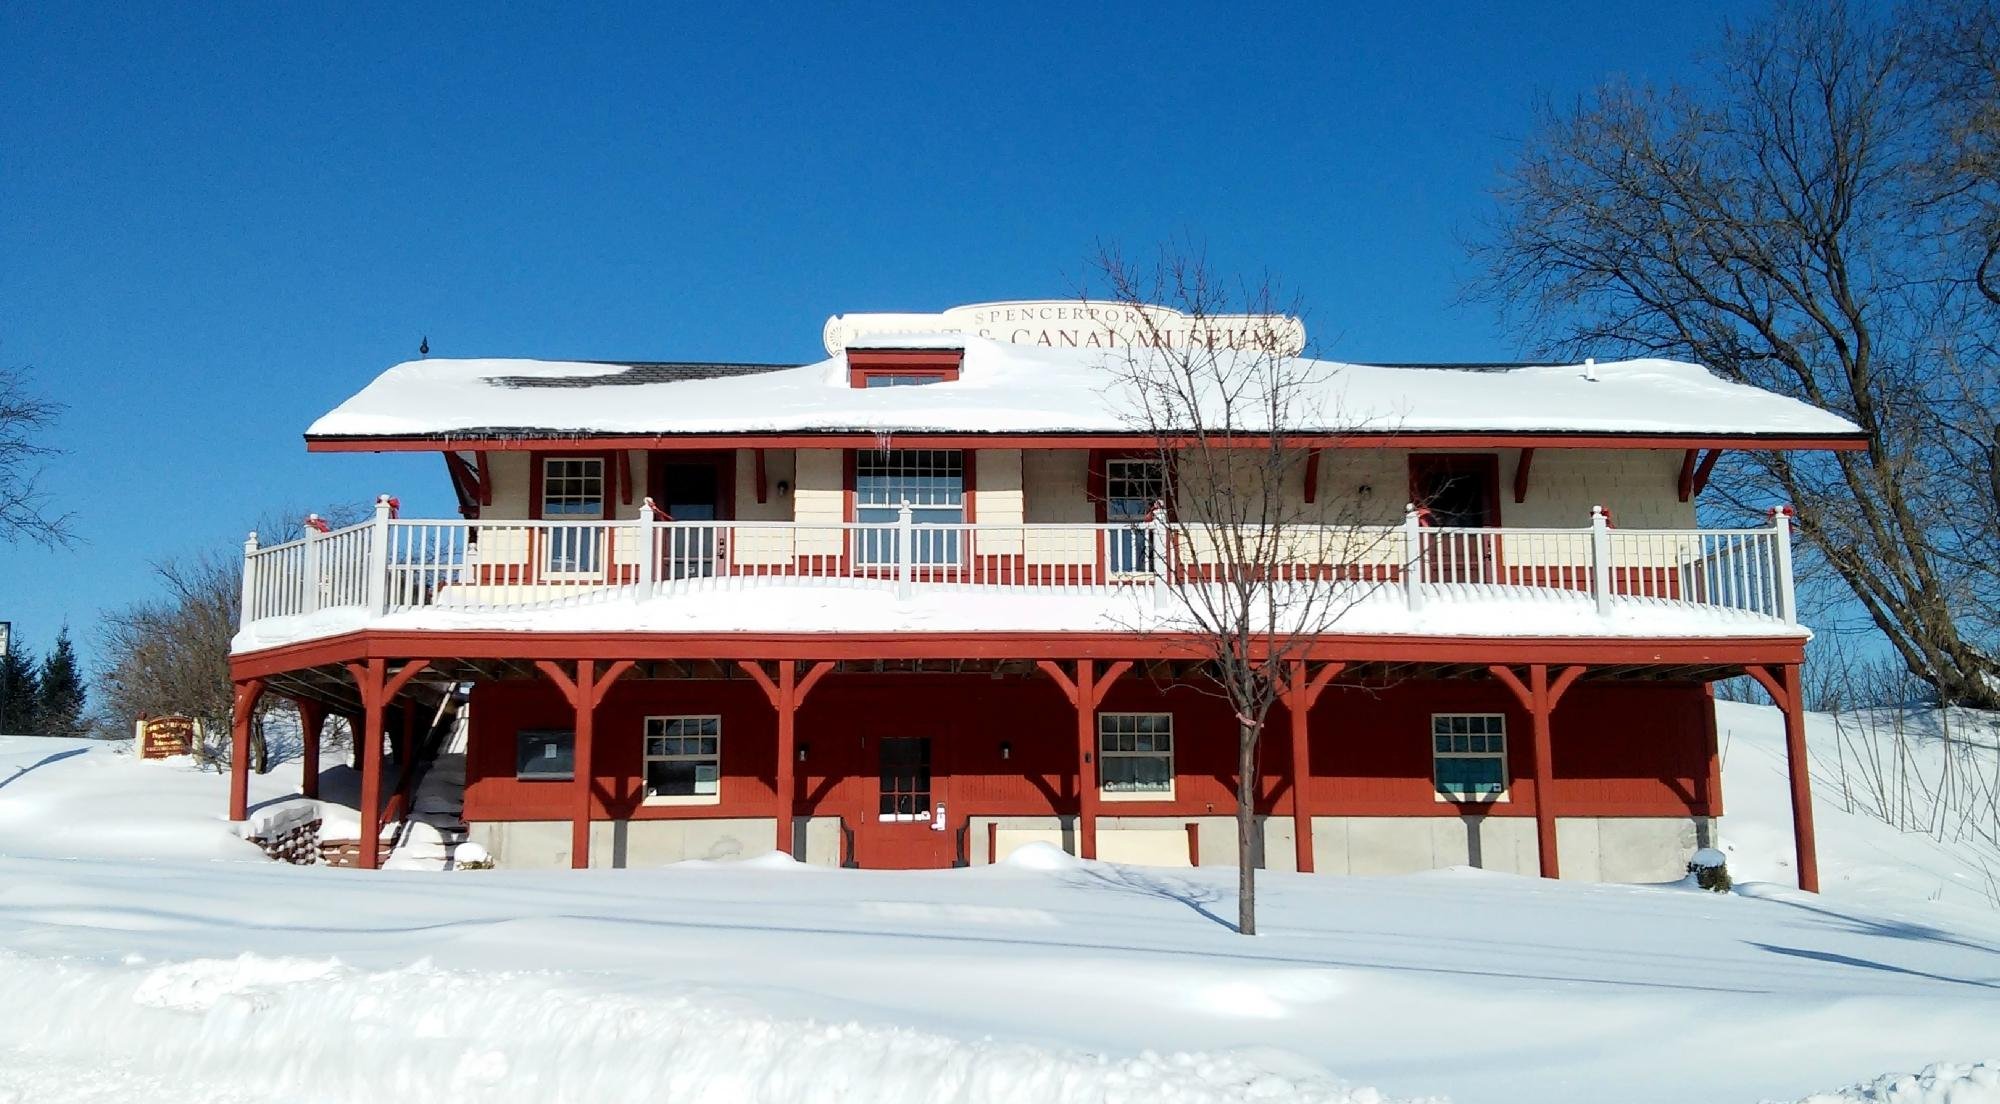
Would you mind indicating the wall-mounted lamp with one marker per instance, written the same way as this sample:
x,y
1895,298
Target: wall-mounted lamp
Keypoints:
x,y
1006,750
784,486
802,752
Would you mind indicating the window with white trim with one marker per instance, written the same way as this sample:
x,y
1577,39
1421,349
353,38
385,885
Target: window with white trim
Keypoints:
x,y
573,490
1135,755
683,760
932,481
1469,755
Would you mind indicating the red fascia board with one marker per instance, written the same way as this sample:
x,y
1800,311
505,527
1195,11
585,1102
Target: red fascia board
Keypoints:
x,y
917,439
518,645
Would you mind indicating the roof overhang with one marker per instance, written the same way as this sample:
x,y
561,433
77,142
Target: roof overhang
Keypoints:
x,y
544,440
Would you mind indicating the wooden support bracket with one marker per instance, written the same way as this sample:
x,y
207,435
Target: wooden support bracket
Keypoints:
x,y
1521,469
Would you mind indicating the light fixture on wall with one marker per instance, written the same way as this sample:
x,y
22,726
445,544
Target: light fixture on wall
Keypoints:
x,y
784,487
1006,750
802,752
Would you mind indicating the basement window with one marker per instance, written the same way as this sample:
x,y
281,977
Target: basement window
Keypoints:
x,y
545,755
1469,756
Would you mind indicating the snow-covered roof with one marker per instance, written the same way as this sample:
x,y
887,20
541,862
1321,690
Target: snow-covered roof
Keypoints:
x,y
1021,389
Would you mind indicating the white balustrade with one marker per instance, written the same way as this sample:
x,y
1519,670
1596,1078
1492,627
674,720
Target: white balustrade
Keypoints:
x,y
391,565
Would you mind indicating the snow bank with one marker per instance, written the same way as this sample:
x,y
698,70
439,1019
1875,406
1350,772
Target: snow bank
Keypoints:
x,y
1041,855
92,798
169,976
1943,1083
251,1027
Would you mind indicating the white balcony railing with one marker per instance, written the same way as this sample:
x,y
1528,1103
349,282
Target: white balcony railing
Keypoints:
x,y
393,565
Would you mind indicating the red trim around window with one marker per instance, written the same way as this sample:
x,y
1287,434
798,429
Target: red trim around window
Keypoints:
x,y
866,364
968,461
1097,482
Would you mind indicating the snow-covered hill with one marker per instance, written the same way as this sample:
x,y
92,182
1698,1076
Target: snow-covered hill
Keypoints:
x,y
147,954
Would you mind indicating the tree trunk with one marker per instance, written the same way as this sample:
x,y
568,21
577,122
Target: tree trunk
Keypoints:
x,y
1246,827
260,751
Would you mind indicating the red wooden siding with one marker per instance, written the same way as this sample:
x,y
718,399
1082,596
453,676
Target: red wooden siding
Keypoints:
x,y
1620,750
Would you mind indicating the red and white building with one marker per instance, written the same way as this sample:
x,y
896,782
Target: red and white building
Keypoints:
x,y
897,608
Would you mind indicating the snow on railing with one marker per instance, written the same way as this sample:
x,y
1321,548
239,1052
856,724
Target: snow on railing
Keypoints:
x,y
390,564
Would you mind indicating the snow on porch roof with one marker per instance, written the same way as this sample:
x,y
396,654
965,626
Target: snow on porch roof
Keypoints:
x,y
1019,389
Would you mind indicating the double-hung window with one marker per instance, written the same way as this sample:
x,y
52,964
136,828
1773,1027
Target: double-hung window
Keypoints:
x,y
1132,489
1135,755
573,490
684,760
1469,755
931,481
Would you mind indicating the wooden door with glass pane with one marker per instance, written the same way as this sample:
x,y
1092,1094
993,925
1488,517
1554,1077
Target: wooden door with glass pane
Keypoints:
x,y
691,491
907,826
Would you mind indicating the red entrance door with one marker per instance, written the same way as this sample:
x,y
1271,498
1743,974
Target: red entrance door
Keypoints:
x,y
908,827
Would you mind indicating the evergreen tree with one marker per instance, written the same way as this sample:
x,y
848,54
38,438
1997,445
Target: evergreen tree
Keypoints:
x,y
61,693
20,692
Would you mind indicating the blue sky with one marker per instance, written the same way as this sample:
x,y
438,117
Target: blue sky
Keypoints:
x,y
216,224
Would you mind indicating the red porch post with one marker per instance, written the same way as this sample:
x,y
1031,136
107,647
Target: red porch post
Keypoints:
x,y
377,689
585,694
312,722
787,693
1539,698
1786,690
370,678
1086,692
1300,695
243,709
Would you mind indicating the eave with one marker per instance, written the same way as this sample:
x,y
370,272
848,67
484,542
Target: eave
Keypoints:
x,y
547,440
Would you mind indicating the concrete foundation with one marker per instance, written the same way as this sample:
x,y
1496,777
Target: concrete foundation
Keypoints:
x,y
1597,849
544,844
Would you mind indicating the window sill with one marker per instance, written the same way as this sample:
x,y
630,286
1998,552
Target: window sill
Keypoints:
x,y
545,778
1129,795
682,799
1501,798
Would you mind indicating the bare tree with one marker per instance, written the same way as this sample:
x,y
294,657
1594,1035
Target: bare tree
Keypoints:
x,y
170,654
25,421
1257,570
1787,227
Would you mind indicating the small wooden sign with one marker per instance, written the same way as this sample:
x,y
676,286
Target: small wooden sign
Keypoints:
x,y
160,737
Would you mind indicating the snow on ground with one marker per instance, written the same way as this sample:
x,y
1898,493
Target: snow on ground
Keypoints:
x,y
1860,856
188,968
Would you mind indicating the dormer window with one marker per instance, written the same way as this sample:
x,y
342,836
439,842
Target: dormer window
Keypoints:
x,y
902,367
900,379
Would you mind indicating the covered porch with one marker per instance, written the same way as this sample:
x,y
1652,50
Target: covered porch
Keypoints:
x,y
934,749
